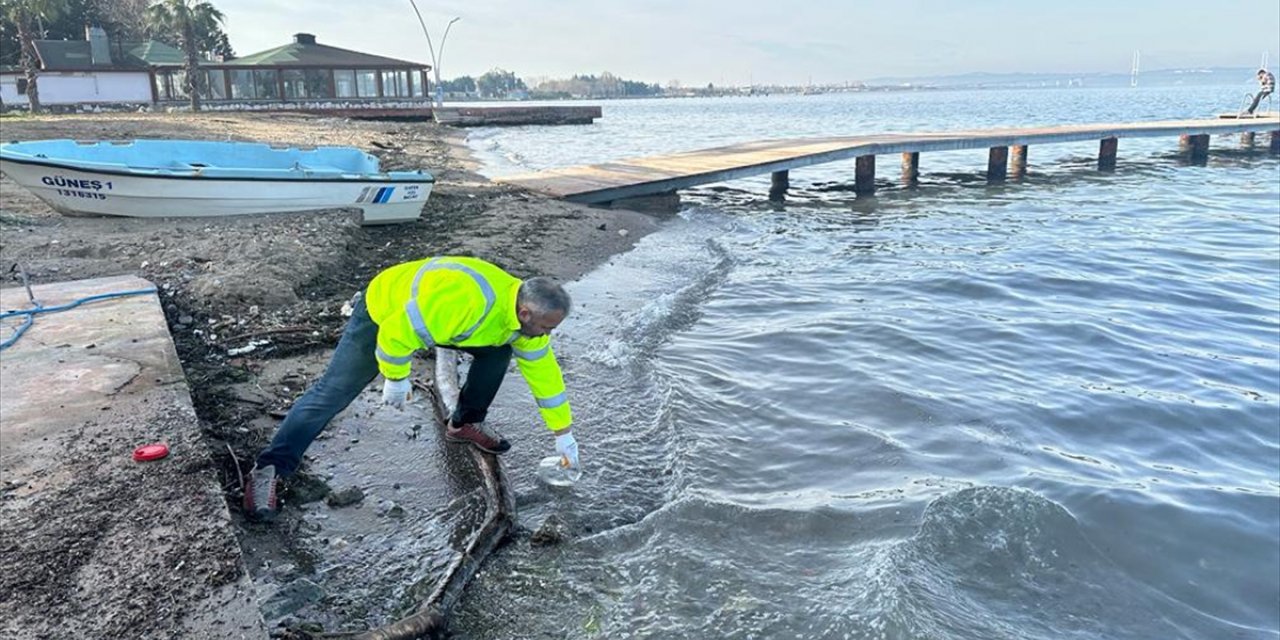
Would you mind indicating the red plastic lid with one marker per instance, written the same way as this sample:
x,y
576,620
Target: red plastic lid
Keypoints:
x,y
151,452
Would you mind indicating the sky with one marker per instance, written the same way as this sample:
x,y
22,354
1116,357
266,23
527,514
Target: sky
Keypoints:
x,y
741,42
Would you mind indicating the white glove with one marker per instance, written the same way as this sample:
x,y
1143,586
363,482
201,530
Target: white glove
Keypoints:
x,y
567,447
396,392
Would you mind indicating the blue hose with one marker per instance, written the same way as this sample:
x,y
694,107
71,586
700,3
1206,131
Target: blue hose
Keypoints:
x,y
30,314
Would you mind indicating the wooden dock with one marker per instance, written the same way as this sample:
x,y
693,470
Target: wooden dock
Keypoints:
x,y
606,182
469,116
464,116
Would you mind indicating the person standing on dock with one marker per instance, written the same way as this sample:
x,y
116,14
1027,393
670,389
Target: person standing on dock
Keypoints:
x,y
1266,85
461,303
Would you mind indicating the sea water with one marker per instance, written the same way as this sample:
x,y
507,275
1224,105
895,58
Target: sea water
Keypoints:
x,y
1044,409
556,472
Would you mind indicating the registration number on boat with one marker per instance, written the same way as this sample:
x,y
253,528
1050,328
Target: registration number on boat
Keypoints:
x,y
71,187
91,195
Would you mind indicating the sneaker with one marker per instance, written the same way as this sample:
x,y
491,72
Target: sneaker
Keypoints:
x,y
484,438
260,494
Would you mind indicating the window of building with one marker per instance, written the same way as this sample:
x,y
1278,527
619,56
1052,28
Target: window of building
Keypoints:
x,y
344,83
402,84
389,86
160,81
242,85
178,85
317,83
22,86
267,82
415,80
294,87
215,87
367,83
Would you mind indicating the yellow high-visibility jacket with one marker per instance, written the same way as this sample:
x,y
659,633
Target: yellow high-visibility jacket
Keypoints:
x,y
461,302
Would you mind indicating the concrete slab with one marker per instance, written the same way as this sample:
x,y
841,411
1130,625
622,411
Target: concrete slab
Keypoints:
x,y
96,544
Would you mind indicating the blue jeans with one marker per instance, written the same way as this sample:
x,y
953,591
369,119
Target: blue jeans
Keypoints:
x,y
1258,98
351,369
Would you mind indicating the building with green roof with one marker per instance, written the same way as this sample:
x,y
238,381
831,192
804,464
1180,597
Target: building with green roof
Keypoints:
x,y
156,54
99,71
87,72
304,71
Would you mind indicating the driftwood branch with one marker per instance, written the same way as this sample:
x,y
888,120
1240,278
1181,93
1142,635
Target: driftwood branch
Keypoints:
x,y
239,471
270,332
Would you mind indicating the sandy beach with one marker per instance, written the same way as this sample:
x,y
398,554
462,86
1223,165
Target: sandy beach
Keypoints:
x,y
225,282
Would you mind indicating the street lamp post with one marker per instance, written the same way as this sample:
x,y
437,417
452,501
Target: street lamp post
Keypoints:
x,y
435,57
439,59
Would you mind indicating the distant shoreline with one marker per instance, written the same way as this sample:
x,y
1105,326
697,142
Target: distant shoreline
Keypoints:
x,y
758,92
1158,78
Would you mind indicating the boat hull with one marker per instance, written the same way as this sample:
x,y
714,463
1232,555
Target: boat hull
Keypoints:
x,y
79,192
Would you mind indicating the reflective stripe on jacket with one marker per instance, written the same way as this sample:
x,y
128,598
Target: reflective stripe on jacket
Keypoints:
x,y
461,302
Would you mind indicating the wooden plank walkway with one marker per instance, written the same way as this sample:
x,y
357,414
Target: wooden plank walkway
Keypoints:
x,y
662,174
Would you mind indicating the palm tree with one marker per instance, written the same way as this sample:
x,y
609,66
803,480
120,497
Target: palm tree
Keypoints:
x,y
27,15
193,24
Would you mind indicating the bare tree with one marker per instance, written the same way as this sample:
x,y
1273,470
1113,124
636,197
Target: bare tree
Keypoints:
x,y
127,18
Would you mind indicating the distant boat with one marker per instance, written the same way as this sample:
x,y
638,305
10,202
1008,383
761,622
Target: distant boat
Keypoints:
x,y
190,178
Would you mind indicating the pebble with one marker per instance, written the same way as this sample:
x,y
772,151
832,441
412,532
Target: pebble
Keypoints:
x,y
553,531
345,497
390,509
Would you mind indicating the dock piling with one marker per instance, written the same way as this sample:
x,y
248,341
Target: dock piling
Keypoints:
x,y
1247,139
1018,169
1107,154
1275,143
1194,146
865,175
997,164
910,168
780,181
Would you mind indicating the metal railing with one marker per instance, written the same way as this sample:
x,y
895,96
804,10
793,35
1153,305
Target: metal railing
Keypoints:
x,y
1248,100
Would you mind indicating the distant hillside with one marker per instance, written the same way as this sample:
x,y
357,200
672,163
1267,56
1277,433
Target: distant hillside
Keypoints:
x,y
1155,78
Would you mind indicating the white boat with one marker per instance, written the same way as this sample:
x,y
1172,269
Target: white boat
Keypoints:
x,y
188,178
